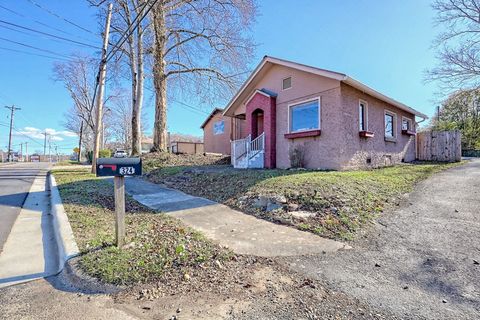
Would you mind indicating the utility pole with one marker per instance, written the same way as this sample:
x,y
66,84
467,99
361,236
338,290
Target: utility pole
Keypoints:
x,y
26,151
80,143
101,90
45,144
21,150
49,150
12,112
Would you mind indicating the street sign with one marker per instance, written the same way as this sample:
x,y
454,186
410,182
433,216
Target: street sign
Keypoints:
x,y
119,167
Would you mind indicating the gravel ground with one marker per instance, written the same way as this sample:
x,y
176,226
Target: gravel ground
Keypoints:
x,y
247,288
420,261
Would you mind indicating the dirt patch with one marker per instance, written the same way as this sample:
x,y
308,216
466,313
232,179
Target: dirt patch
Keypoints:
x,y
243,288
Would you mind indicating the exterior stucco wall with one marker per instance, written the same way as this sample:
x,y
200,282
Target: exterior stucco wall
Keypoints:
x,y
217,143
356,150
305,86
339,146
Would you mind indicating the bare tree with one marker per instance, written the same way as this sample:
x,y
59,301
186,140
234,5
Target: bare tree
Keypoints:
x,y
199,46
459,45
78,77
126,17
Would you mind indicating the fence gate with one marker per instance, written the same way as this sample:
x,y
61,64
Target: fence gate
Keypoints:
x,y
443,146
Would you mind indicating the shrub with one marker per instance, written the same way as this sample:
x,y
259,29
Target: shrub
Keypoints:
x,y
297,156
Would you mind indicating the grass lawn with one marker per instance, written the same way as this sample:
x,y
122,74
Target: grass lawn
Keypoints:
x,y
156,244
332,204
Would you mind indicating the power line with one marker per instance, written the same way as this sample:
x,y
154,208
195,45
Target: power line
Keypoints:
x,y
23,134
59,17
33,54
42,24
128,32
36,48
48,34
118,44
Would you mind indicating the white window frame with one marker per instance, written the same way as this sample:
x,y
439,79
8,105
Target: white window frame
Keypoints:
x,y
410,120
291,83
394,124
365,103
289,107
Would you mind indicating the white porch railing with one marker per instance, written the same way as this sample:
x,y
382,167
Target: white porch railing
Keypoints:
x,y
243,150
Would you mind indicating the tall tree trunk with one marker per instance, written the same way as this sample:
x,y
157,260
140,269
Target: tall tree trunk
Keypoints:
x,y
160,80
137,91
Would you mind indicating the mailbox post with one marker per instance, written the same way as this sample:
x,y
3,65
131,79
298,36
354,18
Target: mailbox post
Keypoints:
x,y
119,168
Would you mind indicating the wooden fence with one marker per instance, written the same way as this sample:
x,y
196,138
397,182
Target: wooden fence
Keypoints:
x,y
443,146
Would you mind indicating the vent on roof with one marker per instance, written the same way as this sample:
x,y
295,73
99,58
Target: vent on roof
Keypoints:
x,y
287,83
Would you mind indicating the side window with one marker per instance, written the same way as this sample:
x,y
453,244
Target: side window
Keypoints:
x,y
362,116
219,127
407,124
390,124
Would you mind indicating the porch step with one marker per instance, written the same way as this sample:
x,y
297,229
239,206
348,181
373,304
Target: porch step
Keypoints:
x,y
255,162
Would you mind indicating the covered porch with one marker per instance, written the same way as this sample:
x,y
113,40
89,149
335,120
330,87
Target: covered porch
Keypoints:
x,y
257,148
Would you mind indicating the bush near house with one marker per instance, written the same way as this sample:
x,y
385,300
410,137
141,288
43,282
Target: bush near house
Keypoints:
x,y
157,246
331,204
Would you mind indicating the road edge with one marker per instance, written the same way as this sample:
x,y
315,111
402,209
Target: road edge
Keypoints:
x,y
66,244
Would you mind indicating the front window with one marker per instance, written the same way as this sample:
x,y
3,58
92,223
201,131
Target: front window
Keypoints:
x,y
389,125
362,113
305,116
219,127
407,124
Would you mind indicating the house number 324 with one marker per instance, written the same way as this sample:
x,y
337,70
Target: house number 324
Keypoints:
x,y
127,170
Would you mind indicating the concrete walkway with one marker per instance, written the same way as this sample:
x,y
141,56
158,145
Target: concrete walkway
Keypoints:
x,y
242,233
30,250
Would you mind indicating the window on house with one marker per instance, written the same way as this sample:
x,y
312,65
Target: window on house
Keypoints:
x,y
287,83
407,124
219,127
362,112
389,124
305,116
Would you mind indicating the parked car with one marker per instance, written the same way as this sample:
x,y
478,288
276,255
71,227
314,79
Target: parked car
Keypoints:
x,y
120,153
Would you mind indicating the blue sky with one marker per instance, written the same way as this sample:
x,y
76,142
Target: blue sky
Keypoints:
x,y
385,44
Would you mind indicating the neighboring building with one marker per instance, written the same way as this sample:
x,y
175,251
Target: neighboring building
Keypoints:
x,y
186,147
326,119
218,133
147,144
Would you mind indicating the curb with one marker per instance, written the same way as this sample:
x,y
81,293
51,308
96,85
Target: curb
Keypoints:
x,y
67,247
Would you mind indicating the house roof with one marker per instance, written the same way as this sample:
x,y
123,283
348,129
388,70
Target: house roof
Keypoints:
x,y
210,116
267,60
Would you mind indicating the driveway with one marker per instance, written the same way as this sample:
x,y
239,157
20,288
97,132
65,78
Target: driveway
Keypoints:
x,y
420,261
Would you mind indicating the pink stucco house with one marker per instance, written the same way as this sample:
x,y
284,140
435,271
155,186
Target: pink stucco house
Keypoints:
x,y
289,110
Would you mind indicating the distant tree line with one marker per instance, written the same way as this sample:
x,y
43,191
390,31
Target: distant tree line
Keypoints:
x,y
458,69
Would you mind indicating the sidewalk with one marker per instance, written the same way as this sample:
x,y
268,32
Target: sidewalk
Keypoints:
x,y
242,233
30,250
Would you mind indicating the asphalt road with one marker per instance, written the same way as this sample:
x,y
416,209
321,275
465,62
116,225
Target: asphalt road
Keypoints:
x,y
15,182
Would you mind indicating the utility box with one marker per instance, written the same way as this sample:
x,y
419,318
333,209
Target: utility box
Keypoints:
x,y
119,167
